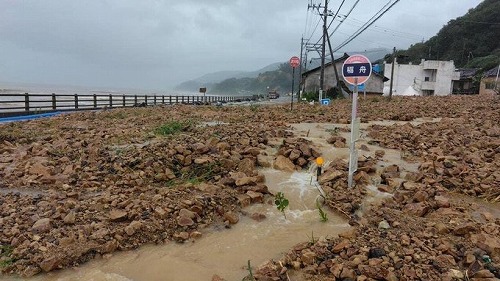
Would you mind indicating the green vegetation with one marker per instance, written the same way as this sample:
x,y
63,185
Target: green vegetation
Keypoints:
x,y
195,175
250,273
322,215
470,41
173,127
279,80
281,202
312,238
5,252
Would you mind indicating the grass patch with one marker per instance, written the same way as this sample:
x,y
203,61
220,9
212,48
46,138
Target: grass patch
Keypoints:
x,y
172,128
5,252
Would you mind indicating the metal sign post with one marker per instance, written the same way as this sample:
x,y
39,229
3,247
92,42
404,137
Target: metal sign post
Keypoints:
x,y
356,70
294,63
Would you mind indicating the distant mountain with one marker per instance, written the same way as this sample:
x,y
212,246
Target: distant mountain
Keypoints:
x,y
208,80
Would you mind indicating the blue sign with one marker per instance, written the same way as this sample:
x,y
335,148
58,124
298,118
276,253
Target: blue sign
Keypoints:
x,y
361,87
325,101
356,70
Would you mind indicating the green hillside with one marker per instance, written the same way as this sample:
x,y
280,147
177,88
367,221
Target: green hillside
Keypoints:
x,y
472,40
279,80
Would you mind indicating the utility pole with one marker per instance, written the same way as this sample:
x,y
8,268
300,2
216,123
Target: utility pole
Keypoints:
x,y
392,72
335,68
325,31
300,68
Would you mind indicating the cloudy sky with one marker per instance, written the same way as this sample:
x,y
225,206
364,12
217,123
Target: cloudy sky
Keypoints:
x,y
156,44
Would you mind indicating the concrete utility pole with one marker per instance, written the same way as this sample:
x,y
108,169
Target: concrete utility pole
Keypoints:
x,y
335,68
325,31
392,72
300,68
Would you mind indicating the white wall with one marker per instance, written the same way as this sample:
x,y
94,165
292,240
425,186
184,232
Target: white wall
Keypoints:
x,y
440,73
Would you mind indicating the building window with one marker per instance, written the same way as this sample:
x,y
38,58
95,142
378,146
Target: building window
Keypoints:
x,y
426,79
490,85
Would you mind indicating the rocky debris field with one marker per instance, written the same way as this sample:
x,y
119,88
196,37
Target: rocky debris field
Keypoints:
x,y
83,185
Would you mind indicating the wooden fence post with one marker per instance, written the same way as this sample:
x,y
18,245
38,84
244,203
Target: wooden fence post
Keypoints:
x,y
146,99
124,104
95,101
154,99
54,102
110,100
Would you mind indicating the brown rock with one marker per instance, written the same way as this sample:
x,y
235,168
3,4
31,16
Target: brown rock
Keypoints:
x,y
376,272
246,181
185,221
284,164
294,155
417,209
341,246
50,263
70,218
464,229
42,226
263,161
255,197
117,215
483,274
244,200
330,175
442,202
308,257
246,166
379,153
444,262
132,228
217,278
258,217
232,217
187,213
488,243
347,274
420,196
201,161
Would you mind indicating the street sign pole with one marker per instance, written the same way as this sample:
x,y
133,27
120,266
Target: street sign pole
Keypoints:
x,y
294,63
353,155
356,70
293,80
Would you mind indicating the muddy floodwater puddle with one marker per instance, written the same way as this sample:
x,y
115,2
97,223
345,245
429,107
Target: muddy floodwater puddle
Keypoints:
x,y
222,252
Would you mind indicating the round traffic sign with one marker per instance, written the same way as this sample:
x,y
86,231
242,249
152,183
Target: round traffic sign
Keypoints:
x,y
356,69
294,62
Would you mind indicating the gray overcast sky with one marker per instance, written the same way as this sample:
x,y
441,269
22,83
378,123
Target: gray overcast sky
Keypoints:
x,y
148,44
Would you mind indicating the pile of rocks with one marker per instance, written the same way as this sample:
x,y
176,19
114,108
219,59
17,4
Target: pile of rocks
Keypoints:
x,y
295,154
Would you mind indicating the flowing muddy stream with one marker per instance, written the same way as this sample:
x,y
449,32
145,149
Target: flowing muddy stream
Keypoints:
x,y
223,252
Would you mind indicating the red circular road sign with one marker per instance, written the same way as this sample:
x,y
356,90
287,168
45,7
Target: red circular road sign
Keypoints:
x,y
294,62
356,67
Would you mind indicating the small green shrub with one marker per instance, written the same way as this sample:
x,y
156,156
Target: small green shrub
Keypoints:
x,y
172,127
281,202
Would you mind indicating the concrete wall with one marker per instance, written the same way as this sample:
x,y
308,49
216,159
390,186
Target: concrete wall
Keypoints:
x,y
374,85
482,87
428,77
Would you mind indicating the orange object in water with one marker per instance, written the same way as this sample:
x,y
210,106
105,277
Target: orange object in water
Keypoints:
x,y
319,161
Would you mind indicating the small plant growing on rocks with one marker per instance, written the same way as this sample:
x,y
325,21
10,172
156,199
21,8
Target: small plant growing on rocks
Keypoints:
x,y
5,252
322,215
172,127
281,202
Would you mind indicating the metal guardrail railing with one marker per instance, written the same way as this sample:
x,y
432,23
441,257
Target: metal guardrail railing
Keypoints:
x,y
26,104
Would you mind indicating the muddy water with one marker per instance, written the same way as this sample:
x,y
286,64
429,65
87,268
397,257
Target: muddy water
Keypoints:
x,y
222,252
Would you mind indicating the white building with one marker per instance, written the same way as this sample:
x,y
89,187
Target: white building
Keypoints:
x,y
428,78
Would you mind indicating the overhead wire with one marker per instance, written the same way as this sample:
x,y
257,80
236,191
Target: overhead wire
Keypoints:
x,y
370,22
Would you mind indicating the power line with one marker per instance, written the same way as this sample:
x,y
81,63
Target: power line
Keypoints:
x,y
371,21
345,17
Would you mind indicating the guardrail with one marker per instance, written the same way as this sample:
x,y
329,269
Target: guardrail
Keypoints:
x,y
26,104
